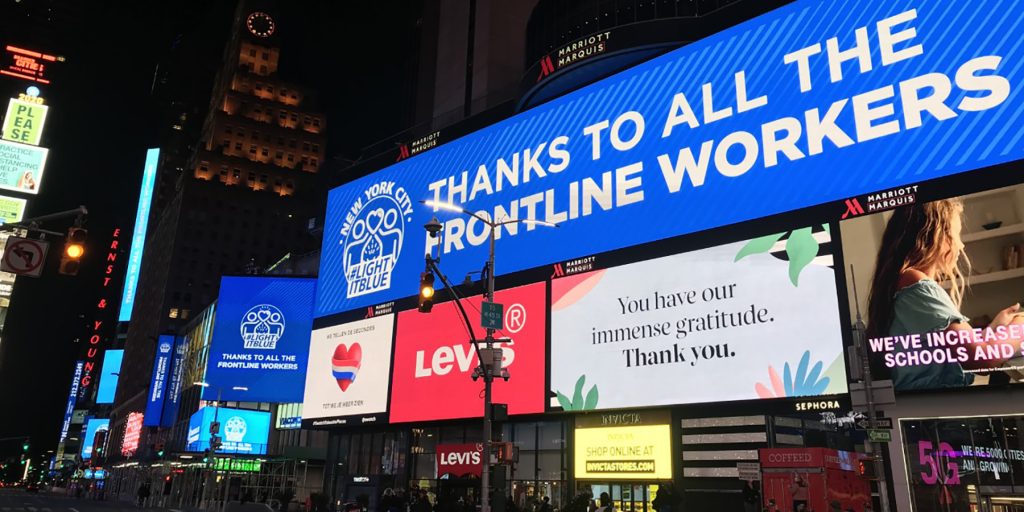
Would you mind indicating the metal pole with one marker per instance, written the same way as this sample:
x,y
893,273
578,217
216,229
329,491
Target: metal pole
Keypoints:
x,y
860,341
488,373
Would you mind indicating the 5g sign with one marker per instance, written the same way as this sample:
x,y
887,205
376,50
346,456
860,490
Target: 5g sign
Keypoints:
x,y
940,466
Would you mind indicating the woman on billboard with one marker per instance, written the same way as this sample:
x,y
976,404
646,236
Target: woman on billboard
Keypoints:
x,y
921,247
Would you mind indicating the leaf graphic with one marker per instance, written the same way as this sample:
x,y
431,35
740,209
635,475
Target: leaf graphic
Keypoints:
x,y
788,380
801,247
758,245
591,402
827,228
564,401
799,382
577,395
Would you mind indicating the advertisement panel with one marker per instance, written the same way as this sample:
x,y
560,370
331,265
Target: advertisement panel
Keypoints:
x,y
173,394
765,117
12,209
92,427
241,431
625,446
349,371
69,409
109,376
459,460
24,121
939,286
21,167
763,312
260,339
434,359
131,276
158,381
132,432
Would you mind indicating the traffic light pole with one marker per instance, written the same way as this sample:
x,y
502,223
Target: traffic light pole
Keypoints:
x,y
33,223
487,369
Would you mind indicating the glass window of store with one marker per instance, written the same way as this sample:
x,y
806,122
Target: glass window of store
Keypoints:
x,y
542,467
965,463
364,464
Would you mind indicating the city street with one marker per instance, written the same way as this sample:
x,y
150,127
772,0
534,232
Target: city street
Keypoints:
x,y
17,500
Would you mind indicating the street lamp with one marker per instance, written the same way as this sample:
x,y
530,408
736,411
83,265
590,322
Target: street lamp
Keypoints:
x,y
214,430
489,357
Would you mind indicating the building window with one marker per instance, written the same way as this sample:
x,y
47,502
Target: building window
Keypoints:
x,y
265,152
295,117
304,159
227,129
312,162
259,87
305,146
316,148
235,173
270,88
173,313
284,115
252,149
241,133
279,155
252,52
266,56
291,157
203,167
252,176
263,70
263,178
238,146
255,136
289,184
292,143
316,122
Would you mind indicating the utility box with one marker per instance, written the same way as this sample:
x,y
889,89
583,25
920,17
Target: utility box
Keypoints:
x,y
817,478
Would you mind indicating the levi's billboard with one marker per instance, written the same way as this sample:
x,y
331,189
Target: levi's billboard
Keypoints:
x,y
458,460
434,360
779,113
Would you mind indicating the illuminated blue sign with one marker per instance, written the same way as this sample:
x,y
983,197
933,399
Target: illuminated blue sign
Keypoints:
x,y
241,431
69,409
260,339
812,103
109,376
153,416
173,394
131,278
93,426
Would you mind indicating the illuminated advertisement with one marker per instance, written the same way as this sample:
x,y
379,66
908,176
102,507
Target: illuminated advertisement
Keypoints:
x,y
158,382
132,432
69,409
349,371
27,64
131,277
434,359
939,286
12,209
241,431
92,427
24,121
109,376
762,311
766,117
172,395
21,167
261,339
459,460
623,446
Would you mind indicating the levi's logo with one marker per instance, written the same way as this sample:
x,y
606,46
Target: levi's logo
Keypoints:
x,y
461,357
460,458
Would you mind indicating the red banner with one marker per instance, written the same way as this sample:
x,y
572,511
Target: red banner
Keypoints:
x,y
460,459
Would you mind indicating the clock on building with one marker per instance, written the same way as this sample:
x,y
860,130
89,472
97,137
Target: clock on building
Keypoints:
x,y
260,24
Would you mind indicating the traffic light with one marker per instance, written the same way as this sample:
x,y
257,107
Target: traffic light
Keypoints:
x,y
25,445
74,248
159,448
426,292
206,456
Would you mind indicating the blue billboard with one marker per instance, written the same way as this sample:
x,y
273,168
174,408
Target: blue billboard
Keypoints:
x,y
172,395
241,431
92,426
69,409
131,277
109,376
260,339
158,382
812,103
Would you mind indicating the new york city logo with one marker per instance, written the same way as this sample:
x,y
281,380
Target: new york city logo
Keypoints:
x,y
372,237
235,429
262,326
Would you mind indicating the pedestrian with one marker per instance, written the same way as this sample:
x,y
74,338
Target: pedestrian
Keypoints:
x,y
752,496
545,505
606,503
142,494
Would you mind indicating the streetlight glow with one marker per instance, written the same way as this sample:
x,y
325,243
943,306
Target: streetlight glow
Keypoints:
x,y
440,205
534,222
240,388
203,384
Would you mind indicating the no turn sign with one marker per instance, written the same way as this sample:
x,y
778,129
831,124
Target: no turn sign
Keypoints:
x,y
24,257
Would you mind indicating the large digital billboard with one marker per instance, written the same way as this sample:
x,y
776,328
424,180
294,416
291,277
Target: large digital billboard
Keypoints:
x,y
109,374
24,121
172,395
69,409
260,339
773,115
92,427
348,374
938,283
242,431
434,359
763,312
623,446
162,360
21,167
131,276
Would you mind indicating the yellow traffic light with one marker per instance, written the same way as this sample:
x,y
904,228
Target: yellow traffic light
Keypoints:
x,y
426,292
74,251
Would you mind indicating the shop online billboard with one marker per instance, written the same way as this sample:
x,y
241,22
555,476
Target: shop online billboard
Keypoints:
x,y
260,339
719,324
773,115
241,431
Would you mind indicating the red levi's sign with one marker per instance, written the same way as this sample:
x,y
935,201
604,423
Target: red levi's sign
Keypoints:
x,y
459,459
434,360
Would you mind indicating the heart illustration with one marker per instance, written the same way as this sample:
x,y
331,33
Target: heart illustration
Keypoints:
x,y
374,219
345,364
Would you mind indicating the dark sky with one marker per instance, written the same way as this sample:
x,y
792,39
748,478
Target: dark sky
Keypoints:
x,y
358,55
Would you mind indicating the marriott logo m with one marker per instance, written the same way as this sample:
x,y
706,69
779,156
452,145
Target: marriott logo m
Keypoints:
x,y
403,152
853,208
547,66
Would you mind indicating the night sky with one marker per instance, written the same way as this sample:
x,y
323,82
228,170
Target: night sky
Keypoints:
x,y
360,56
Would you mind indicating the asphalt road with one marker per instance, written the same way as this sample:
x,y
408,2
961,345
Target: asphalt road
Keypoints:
x,y
17,500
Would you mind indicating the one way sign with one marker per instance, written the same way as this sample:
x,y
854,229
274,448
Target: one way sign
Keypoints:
x,y
879,423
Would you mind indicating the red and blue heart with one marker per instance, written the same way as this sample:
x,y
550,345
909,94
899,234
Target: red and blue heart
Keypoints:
x,y
345,364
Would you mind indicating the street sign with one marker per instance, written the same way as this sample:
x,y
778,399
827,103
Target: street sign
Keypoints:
x,y
492,315
879,423
880,436
24,257
749,471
